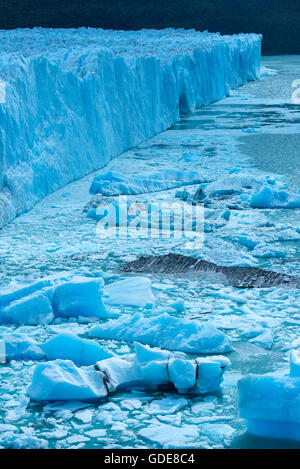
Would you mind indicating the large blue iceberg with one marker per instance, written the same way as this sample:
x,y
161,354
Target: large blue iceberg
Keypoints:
x,y
77,98
20,346
167,332
40,302
270,404
153,369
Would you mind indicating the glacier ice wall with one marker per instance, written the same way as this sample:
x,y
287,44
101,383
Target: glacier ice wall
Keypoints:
x,y
77,98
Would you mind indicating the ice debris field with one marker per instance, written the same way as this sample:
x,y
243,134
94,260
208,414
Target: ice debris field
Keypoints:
x,y
93,353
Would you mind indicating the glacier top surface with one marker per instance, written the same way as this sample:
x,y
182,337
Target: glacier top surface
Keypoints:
x,y
148,42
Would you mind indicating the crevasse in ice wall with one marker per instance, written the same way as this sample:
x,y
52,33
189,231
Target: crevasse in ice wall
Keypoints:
x,y
77,98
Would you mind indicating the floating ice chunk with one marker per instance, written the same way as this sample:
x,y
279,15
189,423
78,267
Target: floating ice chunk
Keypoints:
x,y
61,380
209,376
265,339
295,364
144,354
154,374
182,374
269,198
21,347
19,293
118,373
96,433
157,368
168,436
133,291
230,185
267,252
41,301
113,183
270,403
18,412
151,369
82,296
33,309
177,306
85,416
166,332
217,432
70,347
166,406
6,427
10,440
252,331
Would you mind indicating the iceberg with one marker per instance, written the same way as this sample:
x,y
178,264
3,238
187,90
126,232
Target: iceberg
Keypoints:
x,y
113,183
108,89
264,340
133,291
70,347
270,198
79,297
18,346
33,309
61,380
11,440
166,332
156,368
231,185
150,369
270,404
40,302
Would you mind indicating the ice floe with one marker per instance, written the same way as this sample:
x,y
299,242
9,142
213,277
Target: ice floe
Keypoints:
x,y
167,332
132,291
42,301
113,183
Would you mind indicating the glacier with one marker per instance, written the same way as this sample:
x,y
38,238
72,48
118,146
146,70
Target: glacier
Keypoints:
x,y
77,98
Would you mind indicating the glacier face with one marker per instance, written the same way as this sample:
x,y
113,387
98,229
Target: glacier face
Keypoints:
x,y
76,98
